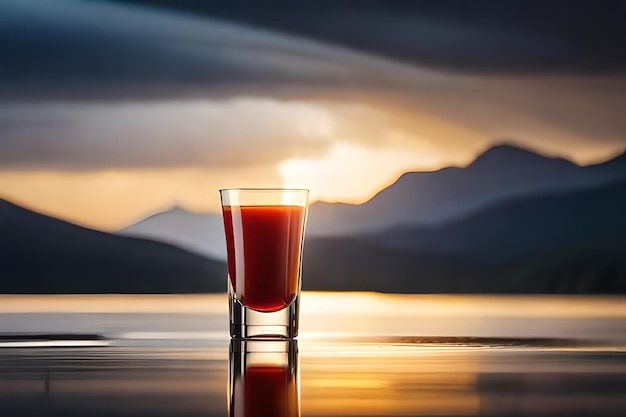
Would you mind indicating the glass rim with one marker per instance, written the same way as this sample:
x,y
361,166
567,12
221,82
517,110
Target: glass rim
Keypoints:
x,y
265,189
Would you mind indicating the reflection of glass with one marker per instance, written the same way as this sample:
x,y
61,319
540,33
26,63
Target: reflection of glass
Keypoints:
x,y
264,234
264,379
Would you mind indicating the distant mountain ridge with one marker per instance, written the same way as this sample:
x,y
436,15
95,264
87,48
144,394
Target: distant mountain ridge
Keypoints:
x,y
416,198
569,242
41,254
202,233
350,264
439,196
519,227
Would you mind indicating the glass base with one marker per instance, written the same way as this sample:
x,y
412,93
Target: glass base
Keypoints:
x,y
246,323
264,378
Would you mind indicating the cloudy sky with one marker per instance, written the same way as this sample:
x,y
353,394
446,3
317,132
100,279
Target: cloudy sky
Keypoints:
x,y
110,111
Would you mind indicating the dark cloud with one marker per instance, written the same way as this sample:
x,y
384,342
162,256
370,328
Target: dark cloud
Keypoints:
x,y
111,50
513,36
76,49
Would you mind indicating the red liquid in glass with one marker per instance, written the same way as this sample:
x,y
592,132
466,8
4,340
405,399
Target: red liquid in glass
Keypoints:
x,y
270,391
264,246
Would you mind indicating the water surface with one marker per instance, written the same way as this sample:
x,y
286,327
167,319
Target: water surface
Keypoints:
x,y
361,354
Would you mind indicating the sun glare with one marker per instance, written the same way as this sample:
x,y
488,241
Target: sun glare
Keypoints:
x,y
352,173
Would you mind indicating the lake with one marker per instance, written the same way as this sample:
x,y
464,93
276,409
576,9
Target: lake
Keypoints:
x,y
360,354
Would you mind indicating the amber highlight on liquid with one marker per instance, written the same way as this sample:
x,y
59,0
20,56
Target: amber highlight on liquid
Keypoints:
x,y
264,248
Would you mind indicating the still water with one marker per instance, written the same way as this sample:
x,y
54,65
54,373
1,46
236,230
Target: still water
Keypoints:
x,y
359,354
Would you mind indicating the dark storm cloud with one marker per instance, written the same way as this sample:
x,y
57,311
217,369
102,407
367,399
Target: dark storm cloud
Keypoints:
x,y
510,36
82,49
97,49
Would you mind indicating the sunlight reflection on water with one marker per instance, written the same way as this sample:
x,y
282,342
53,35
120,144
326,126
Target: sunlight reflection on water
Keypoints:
x,y
360,355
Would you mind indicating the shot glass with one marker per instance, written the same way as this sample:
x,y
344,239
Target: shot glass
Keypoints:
x,y
264,237
263,378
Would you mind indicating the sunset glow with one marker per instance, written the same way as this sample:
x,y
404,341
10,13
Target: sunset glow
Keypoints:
x,y
114,199
351,173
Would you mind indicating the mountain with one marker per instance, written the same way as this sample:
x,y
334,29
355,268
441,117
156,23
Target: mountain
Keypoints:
x,y
598,267
435,197
40,254
519,227
352,264
202,233
424,198
570,242
348,264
